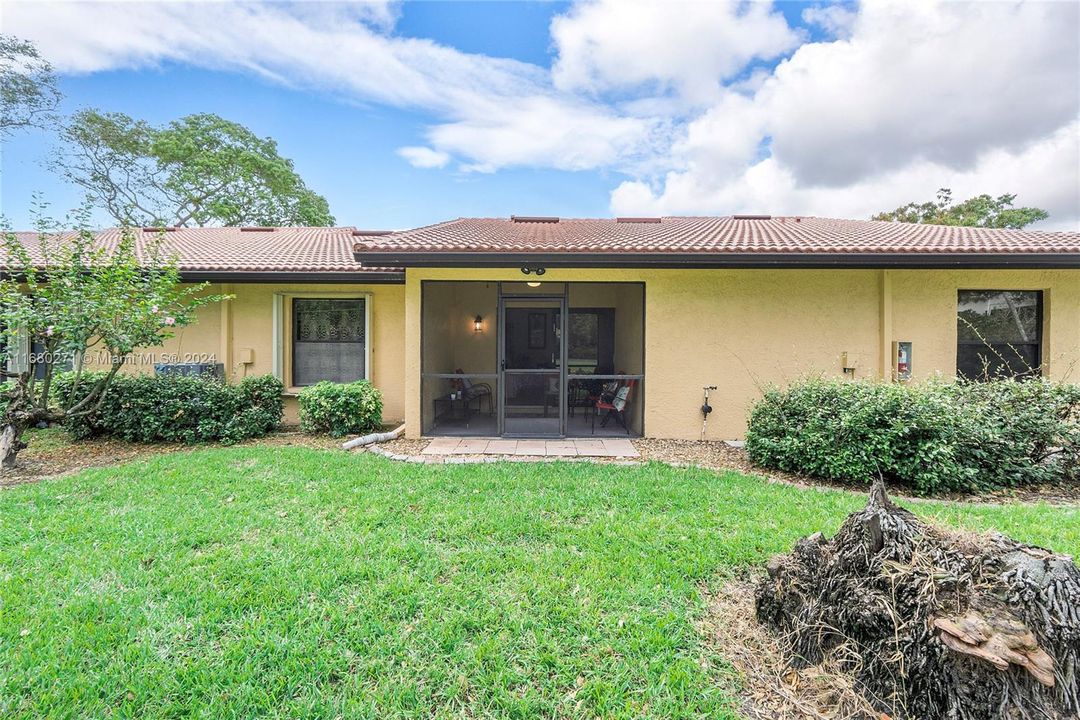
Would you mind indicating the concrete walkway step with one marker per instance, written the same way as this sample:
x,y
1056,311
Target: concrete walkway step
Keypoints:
x,y
568,448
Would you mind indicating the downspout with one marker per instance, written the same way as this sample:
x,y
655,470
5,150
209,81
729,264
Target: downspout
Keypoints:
x,y
373,438
886,326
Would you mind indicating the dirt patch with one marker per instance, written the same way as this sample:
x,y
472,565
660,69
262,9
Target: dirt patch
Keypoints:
x,y
721,456
42,460
404,446
292,437
709,454
51,454
770,687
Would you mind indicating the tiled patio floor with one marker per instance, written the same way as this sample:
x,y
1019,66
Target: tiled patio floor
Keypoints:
x,y
605,447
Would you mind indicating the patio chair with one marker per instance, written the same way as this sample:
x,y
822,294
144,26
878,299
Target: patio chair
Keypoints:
x,y
475,391
615,407
579,395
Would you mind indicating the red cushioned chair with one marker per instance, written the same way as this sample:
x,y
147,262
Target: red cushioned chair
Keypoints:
x,y
616,406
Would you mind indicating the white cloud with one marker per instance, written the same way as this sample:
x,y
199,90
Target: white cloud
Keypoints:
x,y
979,97
688,47
837,20
494,111
424,157
919,81
706,107
540,130
1045,174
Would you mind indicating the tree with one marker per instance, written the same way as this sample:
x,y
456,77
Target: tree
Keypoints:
x,y
67,297
28,94
198,170
979,211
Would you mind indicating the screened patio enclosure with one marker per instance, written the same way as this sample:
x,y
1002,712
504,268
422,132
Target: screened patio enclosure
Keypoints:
x,y
532,359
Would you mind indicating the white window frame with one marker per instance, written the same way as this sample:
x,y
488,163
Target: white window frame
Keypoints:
x,y
282,319
19,360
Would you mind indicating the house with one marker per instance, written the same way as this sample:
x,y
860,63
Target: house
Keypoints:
x,y
520,326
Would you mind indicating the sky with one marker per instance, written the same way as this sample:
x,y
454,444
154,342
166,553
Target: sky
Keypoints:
x,y
405,114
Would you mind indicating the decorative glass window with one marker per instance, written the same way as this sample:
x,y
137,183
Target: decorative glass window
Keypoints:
x,y
999,333
329,340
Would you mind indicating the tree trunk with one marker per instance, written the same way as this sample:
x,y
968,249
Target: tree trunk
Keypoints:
x,y
19,415
10,445
930,622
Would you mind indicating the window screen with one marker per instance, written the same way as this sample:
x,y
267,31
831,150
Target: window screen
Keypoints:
x,y
329,339
999,333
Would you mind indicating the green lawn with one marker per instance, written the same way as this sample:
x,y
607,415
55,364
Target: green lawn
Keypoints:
x,y
289,582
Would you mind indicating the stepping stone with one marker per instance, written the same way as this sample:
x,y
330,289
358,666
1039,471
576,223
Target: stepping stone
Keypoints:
x,y
619,447
441,446
591,448
501,447
472,446
560,448
531,447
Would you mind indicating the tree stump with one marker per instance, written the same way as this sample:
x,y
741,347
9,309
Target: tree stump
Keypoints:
x,y
931,623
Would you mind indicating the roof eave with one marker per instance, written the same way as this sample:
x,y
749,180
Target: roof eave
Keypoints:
x,y
368,277
832,260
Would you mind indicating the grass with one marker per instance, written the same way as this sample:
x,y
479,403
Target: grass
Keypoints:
x,y
290,582
45,440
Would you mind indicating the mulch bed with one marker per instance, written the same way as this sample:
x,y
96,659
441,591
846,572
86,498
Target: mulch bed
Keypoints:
x,y
405,446
721,456
56,458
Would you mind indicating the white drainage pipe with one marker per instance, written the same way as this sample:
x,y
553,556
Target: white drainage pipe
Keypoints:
x,y
374,438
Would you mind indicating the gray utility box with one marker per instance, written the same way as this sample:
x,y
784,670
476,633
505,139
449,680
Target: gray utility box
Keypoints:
x,y
216,370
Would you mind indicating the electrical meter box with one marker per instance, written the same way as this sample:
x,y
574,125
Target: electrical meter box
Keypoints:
x,y
901,361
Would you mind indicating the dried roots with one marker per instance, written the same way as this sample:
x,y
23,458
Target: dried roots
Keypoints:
x,y
929,622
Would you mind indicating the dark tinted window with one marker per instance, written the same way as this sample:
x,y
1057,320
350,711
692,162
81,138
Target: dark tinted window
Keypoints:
x,y
999,333
584,338
329,339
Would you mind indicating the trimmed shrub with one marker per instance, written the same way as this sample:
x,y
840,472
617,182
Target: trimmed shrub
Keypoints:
x,y
266,393
932,437
179,408
340,409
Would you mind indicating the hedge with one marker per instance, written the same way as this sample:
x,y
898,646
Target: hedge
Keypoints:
x,y
932,437
340,408
178,408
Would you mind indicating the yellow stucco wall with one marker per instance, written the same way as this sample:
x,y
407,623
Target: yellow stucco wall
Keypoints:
x,y
738,329
246,323
924,312
744,329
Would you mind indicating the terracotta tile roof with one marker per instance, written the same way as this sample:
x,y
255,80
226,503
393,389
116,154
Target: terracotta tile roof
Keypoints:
x,y
244,250
711,235
336,250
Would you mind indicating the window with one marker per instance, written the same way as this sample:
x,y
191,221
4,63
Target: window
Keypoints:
x,y
40,358
999,333
329,340
591,340
584,338
16,350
